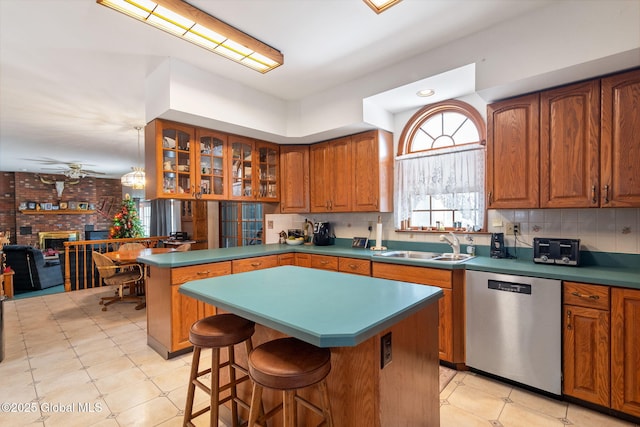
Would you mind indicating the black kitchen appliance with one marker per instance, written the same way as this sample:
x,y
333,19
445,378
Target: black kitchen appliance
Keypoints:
x,y
322,234
556,251
498,249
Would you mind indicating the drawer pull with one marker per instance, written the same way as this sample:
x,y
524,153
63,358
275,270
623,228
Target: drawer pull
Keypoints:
x,y
256,264
593,194
323,262
353,266
579,295
606,194
203,273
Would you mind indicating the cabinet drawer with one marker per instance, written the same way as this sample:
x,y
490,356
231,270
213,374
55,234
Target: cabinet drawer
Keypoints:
x,y
303,260
252,264
585,295
287,259
324,262
354,265
405,273
180,275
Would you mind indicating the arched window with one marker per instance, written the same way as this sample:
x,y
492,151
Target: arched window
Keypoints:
x,y
440,168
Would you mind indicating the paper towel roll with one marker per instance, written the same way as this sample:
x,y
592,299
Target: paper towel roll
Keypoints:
x,y
378,235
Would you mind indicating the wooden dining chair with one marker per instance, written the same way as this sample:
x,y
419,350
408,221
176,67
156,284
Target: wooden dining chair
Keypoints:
x,y
131,247
122,276
183,247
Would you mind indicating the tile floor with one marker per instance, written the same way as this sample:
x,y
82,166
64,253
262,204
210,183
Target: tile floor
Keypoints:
x,y
67,363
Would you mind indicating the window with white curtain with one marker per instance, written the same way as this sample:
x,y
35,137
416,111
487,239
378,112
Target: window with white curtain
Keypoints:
x,y
440,168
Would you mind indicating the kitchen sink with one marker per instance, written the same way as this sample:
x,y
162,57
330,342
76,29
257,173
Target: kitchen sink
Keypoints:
x,y
450,257
426,256
408,254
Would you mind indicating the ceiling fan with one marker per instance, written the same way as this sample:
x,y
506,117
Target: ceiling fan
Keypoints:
x,y
72,170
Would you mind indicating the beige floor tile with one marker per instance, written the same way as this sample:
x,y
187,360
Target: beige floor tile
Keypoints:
x,y
77,393
62,383
109,384
99,356
514,415
159,367
479,382
173,379
477,402
451,416
111,365
546,405
583,417
128,397
18,393
55,368
15,419
151,413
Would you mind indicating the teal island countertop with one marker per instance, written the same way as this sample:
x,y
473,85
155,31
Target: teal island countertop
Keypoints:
x,y
323,308
614,276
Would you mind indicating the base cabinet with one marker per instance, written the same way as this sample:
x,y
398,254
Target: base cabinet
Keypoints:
x,y
625,350
601,360
451,309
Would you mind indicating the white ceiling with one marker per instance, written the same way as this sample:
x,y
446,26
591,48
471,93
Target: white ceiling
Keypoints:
x,y
73,72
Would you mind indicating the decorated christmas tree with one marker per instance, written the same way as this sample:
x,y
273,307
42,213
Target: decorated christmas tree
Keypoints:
x,y
126,223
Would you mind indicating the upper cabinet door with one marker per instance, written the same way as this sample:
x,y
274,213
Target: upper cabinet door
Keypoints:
x,y
212,161
294,178
372,172
570,146
340,172
241,174
620,141
513,153
267,172
320,178
169,160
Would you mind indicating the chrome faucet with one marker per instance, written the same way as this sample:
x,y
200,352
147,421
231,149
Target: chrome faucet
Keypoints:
x,y
455,244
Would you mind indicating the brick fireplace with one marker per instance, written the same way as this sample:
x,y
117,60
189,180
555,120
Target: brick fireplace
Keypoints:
x,y
55,239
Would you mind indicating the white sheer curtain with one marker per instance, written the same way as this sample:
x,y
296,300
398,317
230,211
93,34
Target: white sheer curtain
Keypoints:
x,y
455,177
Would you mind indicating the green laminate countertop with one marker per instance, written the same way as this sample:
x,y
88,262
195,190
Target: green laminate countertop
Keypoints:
x,y
323,308
625,277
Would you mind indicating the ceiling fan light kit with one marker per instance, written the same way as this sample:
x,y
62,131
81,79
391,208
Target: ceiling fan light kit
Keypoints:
x,y
189,23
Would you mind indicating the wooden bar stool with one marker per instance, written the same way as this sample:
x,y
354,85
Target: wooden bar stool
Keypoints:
x,y
289,364
216,332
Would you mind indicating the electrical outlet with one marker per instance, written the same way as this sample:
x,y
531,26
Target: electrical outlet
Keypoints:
x,y
512,228
385,350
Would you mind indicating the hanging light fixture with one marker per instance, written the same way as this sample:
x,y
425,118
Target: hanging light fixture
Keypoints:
x,y
135,179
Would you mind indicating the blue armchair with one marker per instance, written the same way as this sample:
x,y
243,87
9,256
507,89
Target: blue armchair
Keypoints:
x,y
32,271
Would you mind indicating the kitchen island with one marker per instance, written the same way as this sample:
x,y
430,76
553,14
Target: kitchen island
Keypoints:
x,y
354,316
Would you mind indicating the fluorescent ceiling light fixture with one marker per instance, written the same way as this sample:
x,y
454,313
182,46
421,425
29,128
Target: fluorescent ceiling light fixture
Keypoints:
x,y
426,92
380,6
185,21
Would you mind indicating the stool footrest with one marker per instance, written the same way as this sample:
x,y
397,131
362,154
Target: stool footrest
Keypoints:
x,y
309,405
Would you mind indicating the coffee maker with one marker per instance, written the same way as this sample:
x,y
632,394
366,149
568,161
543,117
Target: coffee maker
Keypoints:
x,y
322,235
498,249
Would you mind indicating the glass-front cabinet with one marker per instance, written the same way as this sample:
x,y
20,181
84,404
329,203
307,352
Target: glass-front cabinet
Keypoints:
x,y
268,156
185,162
169,159
212,160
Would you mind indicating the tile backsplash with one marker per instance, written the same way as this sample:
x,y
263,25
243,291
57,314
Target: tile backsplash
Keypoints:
x,y
599,230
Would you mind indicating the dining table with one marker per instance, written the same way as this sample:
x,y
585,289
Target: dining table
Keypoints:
x,y
122,257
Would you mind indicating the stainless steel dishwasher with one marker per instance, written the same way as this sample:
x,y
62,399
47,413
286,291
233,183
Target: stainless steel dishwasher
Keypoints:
x,y
514,328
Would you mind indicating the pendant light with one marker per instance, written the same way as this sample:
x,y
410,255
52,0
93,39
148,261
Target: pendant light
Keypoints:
x,y
135,179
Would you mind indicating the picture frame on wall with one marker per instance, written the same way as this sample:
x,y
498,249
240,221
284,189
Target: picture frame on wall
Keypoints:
x,y
31,205
46,206
73,206
23,206
83,206
63,205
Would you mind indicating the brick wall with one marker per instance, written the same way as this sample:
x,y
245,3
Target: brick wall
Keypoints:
x,y
26,187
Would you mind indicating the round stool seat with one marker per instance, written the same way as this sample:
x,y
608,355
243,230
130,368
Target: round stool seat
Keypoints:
x,y
221,330
288,363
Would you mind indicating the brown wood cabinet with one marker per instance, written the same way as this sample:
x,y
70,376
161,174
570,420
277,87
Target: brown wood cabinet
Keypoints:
x,y
451,306
569,146
213,164
625,350
619,154
331,175
254,170
586,349
194,221
324,262
303,260
169,157
294,178
354,266
513,153
255,263
171,314
372,172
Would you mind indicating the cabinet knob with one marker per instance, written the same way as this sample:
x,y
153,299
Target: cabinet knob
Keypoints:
x,y
594,199
606,194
